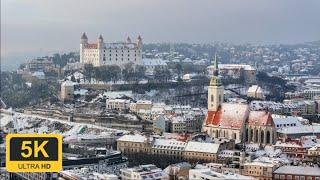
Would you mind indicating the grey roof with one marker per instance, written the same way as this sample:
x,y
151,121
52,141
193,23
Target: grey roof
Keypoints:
x,y
300,129
84,36
287,120
298,170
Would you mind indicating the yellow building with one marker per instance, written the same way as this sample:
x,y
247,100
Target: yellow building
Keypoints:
x,y
314,151
133,144
202,151
259,170
67,91
191,150
145,105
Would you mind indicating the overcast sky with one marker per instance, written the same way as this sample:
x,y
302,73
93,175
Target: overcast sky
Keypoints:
x,y
56,25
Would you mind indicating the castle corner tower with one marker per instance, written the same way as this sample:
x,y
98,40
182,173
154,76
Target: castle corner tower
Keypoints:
x,y
83,43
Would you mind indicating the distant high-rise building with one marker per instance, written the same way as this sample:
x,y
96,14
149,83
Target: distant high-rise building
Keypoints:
x,y
101,53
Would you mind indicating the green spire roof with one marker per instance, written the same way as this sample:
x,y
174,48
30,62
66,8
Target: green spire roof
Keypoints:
x,y
216,68
215,61
215,80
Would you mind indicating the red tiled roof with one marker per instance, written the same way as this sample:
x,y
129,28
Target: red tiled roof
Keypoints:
x,y
91,46
260,118
235,115
213,117
229,116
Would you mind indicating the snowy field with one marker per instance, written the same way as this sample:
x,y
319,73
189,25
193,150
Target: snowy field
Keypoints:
x,y
25,123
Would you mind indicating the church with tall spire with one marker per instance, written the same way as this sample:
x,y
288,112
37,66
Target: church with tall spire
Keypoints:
x,y
233,120
215,89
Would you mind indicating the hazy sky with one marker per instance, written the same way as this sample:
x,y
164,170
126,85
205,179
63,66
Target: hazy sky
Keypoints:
x,y
56,25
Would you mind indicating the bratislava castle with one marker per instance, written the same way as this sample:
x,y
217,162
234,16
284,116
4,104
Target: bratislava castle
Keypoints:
x,y
101,53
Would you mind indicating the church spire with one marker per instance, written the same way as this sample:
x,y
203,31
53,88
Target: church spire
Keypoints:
x,y
216,68
215,89
215,80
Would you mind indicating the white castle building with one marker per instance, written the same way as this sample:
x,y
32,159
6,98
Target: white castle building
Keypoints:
x,y
101,53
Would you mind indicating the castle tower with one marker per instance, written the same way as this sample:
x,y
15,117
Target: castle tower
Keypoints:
x,y
83,43
84,39
139,41
129,40
100,42
100,46
215,89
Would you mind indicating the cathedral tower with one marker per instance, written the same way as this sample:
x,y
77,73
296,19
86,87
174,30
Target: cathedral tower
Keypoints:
x,y
215,89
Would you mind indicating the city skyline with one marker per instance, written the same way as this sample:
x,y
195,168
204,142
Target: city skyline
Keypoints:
x,y
53,26
160,89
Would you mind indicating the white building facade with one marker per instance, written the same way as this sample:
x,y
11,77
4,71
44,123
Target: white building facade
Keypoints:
x,y
148,171
101,53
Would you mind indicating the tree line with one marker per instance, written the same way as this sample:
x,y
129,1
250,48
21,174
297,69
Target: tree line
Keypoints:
x,y
16,93
129,73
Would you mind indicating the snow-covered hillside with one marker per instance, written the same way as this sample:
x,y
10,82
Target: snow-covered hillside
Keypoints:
x,y
25,123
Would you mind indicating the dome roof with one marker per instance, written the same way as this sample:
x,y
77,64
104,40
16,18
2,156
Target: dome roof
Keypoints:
x,y
100,37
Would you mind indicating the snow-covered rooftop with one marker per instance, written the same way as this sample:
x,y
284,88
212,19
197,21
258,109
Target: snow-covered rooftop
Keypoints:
x,y
287,121
209,173
144,102
153,62
306,129
202,147
257,163
68,83
169,144
234,66
133,138
255,89
298,170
